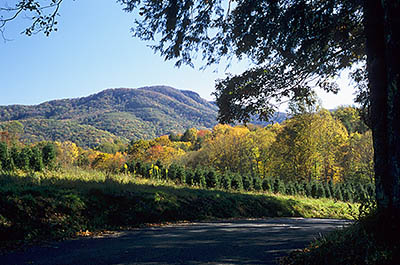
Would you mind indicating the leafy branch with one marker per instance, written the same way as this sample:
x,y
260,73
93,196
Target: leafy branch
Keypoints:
x,y
44,16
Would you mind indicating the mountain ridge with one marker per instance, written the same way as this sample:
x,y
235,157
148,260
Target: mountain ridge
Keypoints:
x,y
131,114
112,114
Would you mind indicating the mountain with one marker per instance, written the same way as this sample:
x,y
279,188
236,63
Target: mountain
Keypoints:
x,y
127,114
114,114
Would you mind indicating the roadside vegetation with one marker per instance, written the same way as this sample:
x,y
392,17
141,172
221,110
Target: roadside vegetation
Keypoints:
x,y
368,241
56,205
312,165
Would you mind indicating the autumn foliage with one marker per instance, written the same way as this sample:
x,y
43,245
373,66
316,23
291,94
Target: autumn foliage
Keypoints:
x,y
317,154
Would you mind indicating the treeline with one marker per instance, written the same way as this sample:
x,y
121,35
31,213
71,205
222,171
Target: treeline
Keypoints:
x,y
27,158
320,146
209,178
319,154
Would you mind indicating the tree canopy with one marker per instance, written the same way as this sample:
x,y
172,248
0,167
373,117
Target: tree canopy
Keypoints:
x,y
294,45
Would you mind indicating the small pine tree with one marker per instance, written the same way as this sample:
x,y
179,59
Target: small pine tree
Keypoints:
x,y
22,161
291,188
180,176
279,186
226,181
300,189
321,191
6,162
3,154
331,187
147,171
212,179
248,183
361,193
347,195
140,168
327,190
237,182
338,194
49,155
189,176
266,185
317,190
308,189
199,178
131,166
36,162
371,190
164,173
258,182
172,172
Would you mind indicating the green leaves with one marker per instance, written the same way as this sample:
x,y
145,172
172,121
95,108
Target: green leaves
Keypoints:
x,y
291,43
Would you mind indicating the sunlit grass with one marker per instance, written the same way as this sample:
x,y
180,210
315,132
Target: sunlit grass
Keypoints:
x,y
57,204
306,206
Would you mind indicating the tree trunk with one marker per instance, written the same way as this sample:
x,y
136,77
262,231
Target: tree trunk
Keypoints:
x,y
382,26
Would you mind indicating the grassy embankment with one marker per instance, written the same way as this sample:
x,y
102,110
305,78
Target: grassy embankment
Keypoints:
x,y
372,240
56,205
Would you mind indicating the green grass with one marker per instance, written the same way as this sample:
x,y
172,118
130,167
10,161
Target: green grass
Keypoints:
x,y
56,205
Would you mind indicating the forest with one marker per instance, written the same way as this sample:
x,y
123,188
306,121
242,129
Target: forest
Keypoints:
x,y
316,154
316,164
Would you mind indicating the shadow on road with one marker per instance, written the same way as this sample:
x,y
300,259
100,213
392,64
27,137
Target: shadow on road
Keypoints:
x,y
223,242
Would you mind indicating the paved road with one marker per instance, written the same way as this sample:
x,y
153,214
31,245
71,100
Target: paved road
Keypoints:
x,y
222,242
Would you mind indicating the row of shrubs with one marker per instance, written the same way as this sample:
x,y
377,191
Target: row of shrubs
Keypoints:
x,y
209,178
28,158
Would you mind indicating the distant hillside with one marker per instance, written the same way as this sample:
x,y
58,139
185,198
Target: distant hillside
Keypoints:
x,y
124,114
129,114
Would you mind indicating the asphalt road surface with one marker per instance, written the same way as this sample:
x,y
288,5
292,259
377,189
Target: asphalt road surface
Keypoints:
x,y
222,242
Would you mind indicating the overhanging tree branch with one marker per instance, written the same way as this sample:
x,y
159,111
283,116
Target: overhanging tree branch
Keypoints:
x,y
43,16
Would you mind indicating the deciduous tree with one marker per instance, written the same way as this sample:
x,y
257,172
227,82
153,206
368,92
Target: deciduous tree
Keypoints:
x,y
295,45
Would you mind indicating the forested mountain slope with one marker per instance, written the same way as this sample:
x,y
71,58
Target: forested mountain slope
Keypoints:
x,y
129,114
123,113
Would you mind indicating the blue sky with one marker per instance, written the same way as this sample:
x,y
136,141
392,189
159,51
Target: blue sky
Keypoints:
x,y
94,50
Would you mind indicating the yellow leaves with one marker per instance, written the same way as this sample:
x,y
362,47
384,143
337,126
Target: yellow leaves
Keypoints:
x,y
109,162
67,152
163,140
